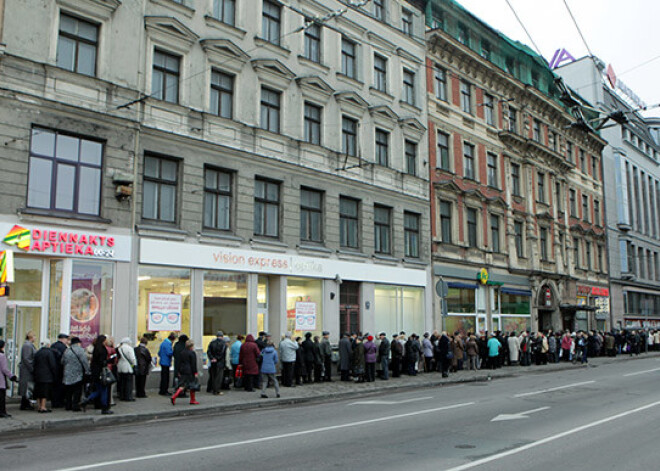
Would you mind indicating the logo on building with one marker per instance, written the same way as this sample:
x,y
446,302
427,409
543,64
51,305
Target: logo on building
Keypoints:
x,y
482,276
20,237
560,57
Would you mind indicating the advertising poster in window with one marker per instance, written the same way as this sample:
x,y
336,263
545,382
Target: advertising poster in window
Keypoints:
x,y
305,316
164,312
86,303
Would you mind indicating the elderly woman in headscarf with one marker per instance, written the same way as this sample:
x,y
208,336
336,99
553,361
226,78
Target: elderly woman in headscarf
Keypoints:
x,y
126,370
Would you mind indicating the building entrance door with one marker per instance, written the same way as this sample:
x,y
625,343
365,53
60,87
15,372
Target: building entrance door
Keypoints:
x,y
349,307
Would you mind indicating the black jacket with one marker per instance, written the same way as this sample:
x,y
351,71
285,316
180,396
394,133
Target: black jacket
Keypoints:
x,y
58,349
99,360
45,366
187,363
443,346
143,356
308,350
217,351
397,349
384,348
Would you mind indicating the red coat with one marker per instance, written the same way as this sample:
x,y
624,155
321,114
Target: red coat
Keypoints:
x,y
248,356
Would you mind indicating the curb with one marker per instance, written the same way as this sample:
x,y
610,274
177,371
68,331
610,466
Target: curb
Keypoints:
x,y
123,419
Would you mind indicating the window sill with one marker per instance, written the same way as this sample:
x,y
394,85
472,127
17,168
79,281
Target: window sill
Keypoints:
x,y
381,94
317,249
349,80
259,242
414,261
410,107
272,47
47,215
324,69
219,237
164,232
224,27
385,256
347,252
178,7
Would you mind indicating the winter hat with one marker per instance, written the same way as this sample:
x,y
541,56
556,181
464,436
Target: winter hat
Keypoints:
x,y
370,338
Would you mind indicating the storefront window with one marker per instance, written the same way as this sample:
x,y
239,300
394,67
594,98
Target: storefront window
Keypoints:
x,y
514,324
225,304
262,302
461,300
165,290
515,304
399,308
91,300
55,298
27,279
304,306
463,324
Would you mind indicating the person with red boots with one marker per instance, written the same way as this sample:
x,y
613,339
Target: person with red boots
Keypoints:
x,y
187,372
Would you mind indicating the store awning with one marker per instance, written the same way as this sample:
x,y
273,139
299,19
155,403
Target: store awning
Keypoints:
x,y
517,292
576,307
456,284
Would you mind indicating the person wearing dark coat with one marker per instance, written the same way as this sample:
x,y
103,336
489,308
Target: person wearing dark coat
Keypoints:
x,y
299,370
143,357
359,361
58,349
99,362
326,355
413,351
384,356
217,356
248,357
308,357
397,356
261,341
5,377
26,371
178,347
45,374
444,344
187,372
318,360
345,351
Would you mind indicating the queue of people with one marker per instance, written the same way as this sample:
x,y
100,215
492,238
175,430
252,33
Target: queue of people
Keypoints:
x,y
68,376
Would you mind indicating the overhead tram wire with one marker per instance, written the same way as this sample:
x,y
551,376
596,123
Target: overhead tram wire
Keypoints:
x,y
529,36
308,23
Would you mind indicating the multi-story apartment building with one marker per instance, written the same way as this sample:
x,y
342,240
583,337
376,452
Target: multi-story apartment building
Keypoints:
x,y
632,188
516,186
198,165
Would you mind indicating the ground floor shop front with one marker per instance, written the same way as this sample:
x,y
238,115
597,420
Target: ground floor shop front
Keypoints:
x,y
86,283
199,289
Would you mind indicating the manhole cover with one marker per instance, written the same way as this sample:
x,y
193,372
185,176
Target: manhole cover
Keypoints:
x,y
15,447
465,447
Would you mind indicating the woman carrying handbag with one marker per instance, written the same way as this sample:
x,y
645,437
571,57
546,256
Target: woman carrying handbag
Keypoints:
x,y
102,377
187,372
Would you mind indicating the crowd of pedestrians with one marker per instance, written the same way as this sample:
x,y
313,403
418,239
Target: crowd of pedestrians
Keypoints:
x,y
68,376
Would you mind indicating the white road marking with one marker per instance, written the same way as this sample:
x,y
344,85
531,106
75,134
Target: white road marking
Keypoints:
x,y
519,415
389,403
543,391
551,438
264,439
642,372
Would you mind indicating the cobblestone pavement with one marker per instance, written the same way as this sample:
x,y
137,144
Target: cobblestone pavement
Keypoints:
x,y
155,406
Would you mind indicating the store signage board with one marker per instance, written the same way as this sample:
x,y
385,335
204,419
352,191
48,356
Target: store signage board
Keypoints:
x,y
160,252
64,242
164,312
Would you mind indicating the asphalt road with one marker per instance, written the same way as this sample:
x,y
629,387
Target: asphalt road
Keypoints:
x,y
602,417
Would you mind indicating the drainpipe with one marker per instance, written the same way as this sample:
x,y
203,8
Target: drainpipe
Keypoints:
x,y
2,22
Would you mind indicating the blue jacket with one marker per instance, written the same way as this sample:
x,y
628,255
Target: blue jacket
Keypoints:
x,y
269,360
234,352
165,353
493,347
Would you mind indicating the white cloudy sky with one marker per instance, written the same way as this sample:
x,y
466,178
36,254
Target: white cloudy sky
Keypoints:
x,y
625,34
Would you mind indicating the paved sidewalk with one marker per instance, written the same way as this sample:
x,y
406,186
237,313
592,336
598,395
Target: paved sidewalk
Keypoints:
x,y
155,406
